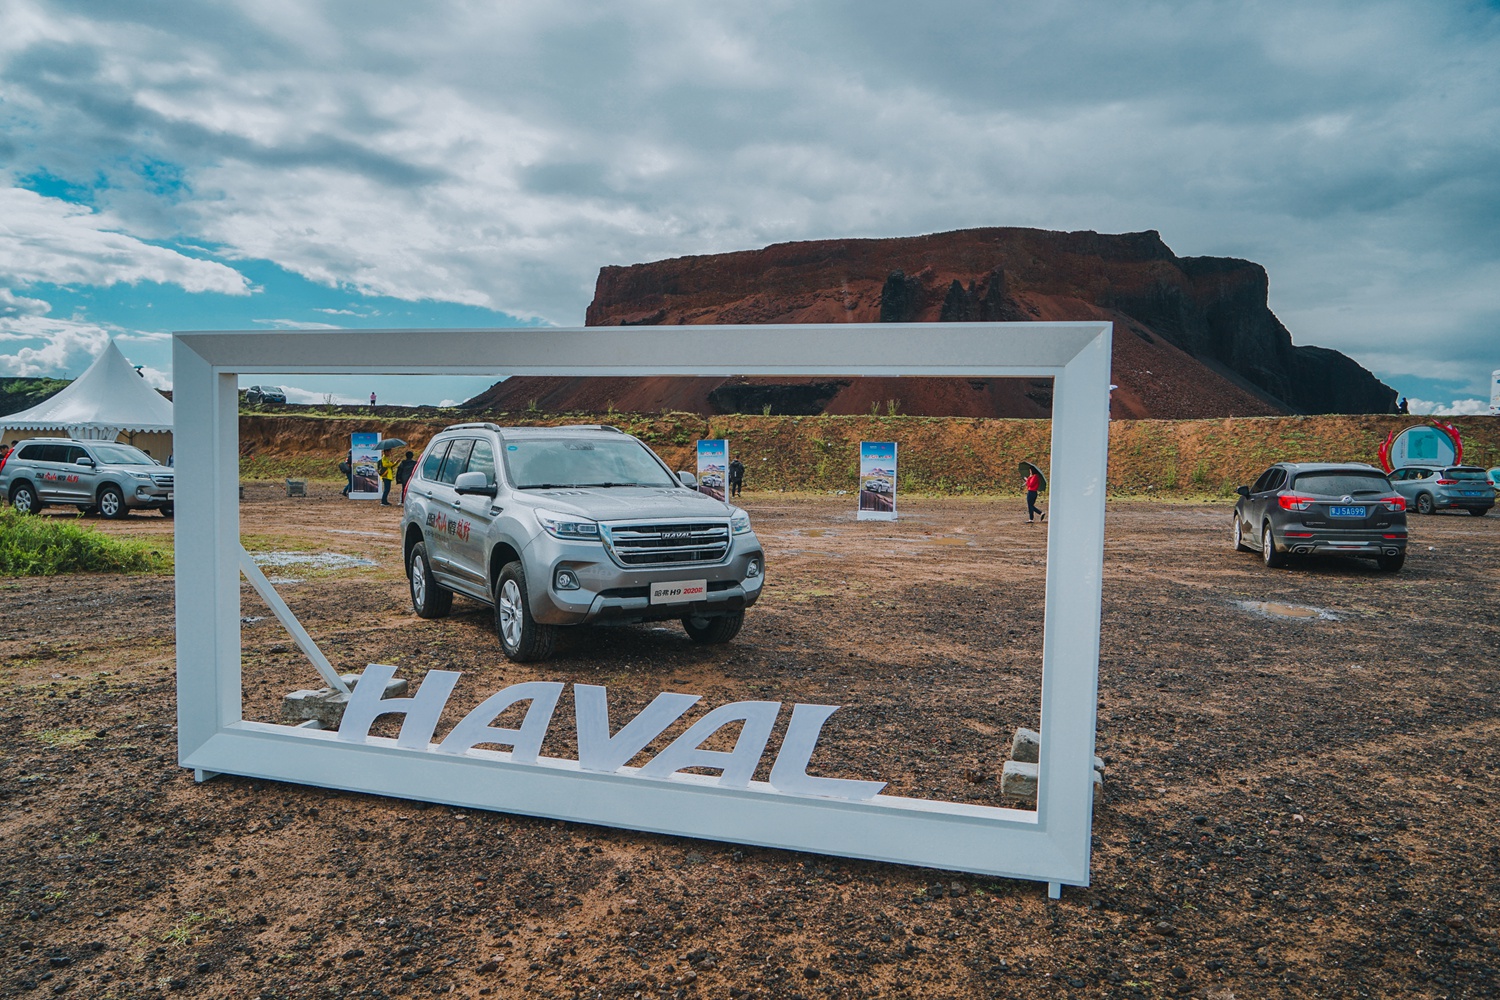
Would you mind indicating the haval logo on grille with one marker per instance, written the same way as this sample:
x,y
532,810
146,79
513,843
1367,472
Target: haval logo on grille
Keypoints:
x,y
676,536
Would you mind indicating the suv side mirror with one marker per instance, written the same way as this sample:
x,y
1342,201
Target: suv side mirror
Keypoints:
x,y
688,479
474,482
85,460
1243,491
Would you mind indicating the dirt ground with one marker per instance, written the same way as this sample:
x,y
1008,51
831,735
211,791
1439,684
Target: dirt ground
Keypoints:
x,y
1294,806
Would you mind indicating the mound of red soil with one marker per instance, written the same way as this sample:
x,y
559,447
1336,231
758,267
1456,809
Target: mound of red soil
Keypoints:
x,y
1193,335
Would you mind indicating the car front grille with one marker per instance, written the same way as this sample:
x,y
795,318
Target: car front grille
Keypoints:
x,y
668,544
162,478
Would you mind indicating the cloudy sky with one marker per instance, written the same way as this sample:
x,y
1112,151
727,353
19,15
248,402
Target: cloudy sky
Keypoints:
x,y
187,164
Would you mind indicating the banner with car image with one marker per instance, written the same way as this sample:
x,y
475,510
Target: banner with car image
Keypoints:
x,y
364,466
877,480
713,468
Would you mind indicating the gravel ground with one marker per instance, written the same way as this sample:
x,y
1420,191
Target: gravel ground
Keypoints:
x,y
1297,804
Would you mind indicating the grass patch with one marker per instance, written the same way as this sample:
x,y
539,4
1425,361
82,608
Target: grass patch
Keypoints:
x,y
64,739
39,546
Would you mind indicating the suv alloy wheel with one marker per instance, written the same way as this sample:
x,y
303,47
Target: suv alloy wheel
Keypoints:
x,y
1268,552
111,502
1239,536
429,598
522,637
23,498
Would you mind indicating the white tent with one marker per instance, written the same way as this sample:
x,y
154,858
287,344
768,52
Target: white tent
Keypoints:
x,y
107,401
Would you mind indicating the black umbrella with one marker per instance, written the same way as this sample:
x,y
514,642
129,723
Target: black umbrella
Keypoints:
x,y
1026,469
386,444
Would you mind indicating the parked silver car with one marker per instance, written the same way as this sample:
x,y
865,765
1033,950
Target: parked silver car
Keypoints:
x,y
1429,489
1301,508
556,526
102,476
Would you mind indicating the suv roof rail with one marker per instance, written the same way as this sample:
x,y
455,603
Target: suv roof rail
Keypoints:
x,y
487,425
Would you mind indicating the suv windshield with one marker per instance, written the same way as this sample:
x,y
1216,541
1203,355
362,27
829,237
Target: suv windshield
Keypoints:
x,y
121,454
1337,484
1462,473
535,463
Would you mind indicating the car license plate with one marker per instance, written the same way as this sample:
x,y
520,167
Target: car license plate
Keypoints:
x,y
169,494
1346,512
1474,493
679,591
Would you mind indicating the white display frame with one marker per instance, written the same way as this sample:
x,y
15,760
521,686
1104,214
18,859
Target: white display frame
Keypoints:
x,y
1051,844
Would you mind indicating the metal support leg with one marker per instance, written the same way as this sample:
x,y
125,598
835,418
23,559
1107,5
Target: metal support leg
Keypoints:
x,y
1054,890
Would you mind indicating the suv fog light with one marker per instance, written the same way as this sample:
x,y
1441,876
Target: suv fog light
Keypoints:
x,y
753,570
566,579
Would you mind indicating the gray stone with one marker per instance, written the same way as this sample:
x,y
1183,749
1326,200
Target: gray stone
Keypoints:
x,y
325,706
1018,780
1026,747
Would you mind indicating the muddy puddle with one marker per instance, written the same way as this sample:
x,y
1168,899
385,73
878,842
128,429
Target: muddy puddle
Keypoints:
x,y
1295,612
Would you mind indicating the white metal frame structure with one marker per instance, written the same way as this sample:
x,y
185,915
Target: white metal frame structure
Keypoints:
x,y
1051,844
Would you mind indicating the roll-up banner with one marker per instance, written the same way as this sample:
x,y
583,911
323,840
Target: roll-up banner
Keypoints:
x,y
364,463
1495,393
713,468
877,480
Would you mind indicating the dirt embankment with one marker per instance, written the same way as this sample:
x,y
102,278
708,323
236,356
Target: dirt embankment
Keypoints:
x,y
949,455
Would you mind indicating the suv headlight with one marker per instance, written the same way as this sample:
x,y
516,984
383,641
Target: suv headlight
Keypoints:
x,y
740,522
141,475
567,527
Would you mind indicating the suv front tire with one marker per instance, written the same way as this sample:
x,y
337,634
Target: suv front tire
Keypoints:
x,y
522,638
112,502
713,630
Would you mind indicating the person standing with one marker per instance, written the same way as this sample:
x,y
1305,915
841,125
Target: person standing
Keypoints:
x,y
347,468
1403,406
372,400
388,466
403,474
1033,487
736,477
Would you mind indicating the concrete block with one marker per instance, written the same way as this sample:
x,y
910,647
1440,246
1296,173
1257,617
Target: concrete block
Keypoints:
x,y
1018,780
1027,746
325,706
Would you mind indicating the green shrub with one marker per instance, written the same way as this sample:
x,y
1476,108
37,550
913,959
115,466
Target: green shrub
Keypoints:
x,y
45,546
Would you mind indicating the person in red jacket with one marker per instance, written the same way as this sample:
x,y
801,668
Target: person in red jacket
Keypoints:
x,y
1033,485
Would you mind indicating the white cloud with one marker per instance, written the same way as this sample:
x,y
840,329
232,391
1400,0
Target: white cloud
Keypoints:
x,y
53,347
57,242
1457,408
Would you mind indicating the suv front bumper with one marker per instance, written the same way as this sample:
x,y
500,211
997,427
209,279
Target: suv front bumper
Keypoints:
x,y
148,496
609,594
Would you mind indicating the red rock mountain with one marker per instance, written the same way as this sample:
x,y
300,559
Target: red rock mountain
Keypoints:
x,y
1193,335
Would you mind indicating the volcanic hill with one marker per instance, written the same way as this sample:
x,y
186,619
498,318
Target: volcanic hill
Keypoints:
x,y
1194,336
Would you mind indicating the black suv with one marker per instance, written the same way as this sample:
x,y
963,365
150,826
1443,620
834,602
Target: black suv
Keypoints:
x,y
1302,508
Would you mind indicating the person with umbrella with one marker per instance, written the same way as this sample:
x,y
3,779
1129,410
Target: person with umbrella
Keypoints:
x,y
1034,485
388,466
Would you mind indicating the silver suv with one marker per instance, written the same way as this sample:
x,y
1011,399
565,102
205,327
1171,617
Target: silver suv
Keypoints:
x,y
1429,489
102,476
556,526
